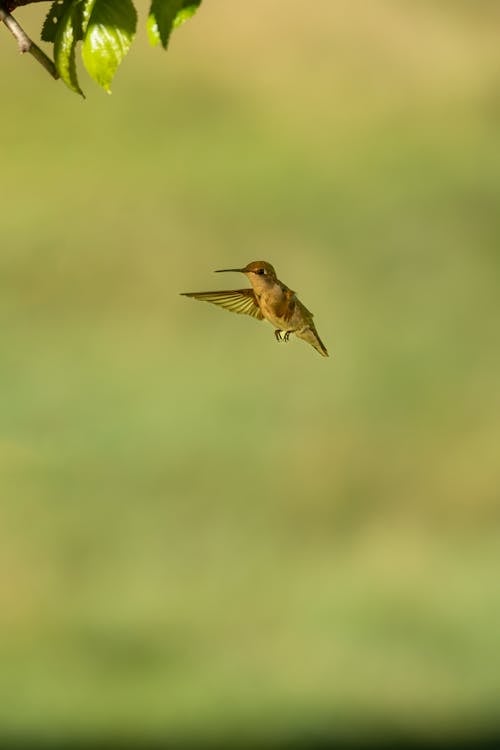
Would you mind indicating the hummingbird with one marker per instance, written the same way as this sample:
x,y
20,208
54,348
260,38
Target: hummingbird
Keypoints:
x,y
267,299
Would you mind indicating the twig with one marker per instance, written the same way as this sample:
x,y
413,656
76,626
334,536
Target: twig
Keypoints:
x,y
26,44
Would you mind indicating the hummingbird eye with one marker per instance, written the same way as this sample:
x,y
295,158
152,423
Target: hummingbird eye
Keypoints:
x,y
260,271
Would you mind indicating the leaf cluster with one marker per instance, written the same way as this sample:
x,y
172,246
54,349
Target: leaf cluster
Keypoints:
x,y
106,29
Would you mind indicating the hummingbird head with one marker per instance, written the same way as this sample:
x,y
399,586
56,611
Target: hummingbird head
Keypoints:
x,y
255,269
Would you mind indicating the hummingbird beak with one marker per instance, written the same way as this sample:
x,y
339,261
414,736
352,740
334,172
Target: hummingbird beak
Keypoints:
x,y
230,270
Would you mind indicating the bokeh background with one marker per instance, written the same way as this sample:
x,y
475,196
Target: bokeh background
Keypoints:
x,y
204,533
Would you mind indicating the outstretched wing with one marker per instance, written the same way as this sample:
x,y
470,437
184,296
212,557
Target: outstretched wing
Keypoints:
x,y
236,300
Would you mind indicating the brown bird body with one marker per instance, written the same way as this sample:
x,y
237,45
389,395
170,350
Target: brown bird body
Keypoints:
x,y
268,299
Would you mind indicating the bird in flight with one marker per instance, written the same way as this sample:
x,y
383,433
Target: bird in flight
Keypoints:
x,y
267,299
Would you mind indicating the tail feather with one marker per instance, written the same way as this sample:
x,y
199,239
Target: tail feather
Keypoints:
x,y
310,335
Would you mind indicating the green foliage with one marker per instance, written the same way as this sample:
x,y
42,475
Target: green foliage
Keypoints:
x,y
67,33
109,33
106,29
166,15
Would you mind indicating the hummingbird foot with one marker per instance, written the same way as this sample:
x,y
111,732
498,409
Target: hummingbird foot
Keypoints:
x,y
287,335
277,334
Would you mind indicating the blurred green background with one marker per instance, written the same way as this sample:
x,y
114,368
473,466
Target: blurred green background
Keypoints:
x,y
203,533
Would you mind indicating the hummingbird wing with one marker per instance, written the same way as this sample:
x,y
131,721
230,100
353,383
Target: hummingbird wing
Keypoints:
x,y
236,300
305,312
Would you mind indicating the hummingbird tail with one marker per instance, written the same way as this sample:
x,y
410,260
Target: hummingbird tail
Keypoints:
x,y
310,335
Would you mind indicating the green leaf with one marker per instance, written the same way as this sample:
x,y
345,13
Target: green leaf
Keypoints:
x,y
188,10
165,15
52,19
68,31
109,29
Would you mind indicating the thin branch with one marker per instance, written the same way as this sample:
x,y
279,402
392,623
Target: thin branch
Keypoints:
x,y
26,44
